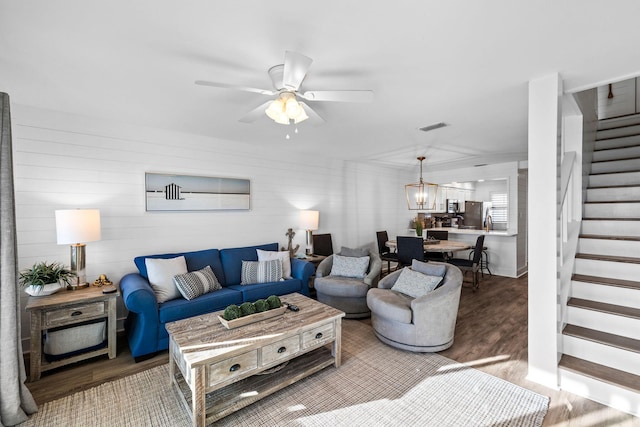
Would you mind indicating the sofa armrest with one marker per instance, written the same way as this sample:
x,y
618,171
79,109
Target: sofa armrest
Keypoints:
x,y
324,268
302,270
388,281
143,321
375,267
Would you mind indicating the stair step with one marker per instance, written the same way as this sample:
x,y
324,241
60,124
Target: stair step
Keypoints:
x,y
608,166
610,258
616,209
616,153
608,281
614,179
617,310
624,343
603,237
600,372
617,193
616,123
617,142
611,226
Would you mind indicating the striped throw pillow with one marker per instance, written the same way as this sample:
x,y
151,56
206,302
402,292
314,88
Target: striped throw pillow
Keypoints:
x,y
261,272
196,283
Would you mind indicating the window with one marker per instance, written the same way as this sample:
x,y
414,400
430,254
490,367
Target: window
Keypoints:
x,y
499,207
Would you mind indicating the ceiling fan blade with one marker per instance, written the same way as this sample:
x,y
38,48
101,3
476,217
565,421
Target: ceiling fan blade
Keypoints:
x,y
315,117
338,95
296,66
236,87
255,114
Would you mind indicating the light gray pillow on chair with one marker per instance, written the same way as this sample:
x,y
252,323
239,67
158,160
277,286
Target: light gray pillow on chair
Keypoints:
x,y
347,266
429,268
415,284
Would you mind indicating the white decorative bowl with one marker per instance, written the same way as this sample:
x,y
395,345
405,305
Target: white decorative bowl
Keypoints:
x,y
40,291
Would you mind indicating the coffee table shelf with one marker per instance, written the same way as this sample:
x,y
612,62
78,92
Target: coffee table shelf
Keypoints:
x,y
217,368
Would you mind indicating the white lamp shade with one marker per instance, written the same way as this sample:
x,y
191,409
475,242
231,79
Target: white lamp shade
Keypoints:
x,y
77,226
309,220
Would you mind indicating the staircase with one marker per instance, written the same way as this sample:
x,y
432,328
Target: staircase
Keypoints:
x,y
601,339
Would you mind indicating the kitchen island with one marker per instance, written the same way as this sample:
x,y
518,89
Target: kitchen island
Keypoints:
x,y
501,248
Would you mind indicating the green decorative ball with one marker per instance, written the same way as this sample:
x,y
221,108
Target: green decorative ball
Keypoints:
x,y
231,312
274,302
247,308
261,305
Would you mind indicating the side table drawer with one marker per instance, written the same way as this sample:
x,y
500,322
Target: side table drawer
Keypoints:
x,y
233,367
75,314
319,335
280,350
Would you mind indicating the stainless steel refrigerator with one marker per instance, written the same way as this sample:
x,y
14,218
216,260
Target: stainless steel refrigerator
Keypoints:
x,y
475,214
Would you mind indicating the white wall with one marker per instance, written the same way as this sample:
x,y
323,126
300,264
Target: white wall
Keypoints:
x,y
64,161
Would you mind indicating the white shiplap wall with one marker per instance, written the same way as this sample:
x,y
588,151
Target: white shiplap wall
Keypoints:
x,y
64,161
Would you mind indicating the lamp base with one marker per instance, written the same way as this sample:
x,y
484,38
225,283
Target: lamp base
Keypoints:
x,y
309,249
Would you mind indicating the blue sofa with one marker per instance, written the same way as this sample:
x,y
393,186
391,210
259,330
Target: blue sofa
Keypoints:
x,y
145,323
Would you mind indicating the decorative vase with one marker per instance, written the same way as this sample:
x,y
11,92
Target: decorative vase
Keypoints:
x,y
40,291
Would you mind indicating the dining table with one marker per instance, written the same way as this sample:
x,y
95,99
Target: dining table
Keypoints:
x,y
445,247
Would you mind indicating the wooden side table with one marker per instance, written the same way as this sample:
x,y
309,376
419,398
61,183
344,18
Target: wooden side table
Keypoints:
x,y
66,308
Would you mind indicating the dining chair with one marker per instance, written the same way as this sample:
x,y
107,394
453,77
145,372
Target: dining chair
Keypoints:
x,y
322,244
384,251
409,248
438,235
471,265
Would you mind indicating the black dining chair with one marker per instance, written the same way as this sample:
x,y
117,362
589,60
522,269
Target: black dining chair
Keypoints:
x,y
322,244
438,235
409,248
384,251
471,265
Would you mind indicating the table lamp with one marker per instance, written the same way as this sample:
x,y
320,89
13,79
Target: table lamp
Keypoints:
x,y
77,227
309,222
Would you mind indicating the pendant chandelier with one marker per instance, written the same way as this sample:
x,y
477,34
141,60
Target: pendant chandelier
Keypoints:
x,y
421,196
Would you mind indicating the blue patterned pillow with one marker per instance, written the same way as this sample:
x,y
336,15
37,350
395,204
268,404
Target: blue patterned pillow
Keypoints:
x,y
347,266
415,284
261,272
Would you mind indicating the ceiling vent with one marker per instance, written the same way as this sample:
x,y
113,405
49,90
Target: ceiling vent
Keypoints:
x,y
433,127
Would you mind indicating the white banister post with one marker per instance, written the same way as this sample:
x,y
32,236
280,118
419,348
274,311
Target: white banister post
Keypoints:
x,y
543,214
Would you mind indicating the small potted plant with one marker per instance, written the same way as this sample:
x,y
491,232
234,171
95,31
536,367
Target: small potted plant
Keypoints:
x,y
45,278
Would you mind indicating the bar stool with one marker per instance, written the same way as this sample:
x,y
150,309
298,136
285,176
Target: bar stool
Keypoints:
x,y
484,259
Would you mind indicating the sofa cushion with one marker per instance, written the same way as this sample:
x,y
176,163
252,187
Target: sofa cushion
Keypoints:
x,y
161,273
196,260
196,283
357,252
284,258
181,308
339,286
232,260
263,290
349,266
415,284
430,268
390,305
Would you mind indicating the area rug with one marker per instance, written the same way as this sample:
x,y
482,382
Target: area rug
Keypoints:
x,y
376,385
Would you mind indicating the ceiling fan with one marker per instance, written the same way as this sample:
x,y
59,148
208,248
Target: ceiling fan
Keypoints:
x,y
286,79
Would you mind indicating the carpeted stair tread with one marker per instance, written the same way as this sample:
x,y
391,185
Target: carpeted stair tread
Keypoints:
x,y
617,310
618,341
610,258
608,281
603,373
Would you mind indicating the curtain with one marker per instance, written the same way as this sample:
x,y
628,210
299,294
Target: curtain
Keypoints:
x,y
16,401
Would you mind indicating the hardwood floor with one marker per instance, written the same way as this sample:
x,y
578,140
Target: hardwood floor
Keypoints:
x,y
491,335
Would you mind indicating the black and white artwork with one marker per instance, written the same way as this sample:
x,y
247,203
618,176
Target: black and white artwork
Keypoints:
x,y
166,192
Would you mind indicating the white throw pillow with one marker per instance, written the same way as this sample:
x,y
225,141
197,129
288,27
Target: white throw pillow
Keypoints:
x,y
261,272
415,284
282,256
347,266
161,272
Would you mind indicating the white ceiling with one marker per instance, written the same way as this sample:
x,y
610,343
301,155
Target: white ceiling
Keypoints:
x,y
466,63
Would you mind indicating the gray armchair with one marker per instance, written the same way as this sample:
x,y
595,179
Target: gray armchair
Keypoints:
x,y
346,293
423,324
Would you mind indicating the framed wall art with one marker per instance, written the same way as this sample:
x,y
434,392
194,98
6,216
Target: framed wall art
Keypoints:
x,y
166,192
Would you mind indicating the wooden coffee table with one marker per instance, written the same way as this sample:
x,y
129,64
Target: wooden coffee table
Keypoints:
x,y
218,367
